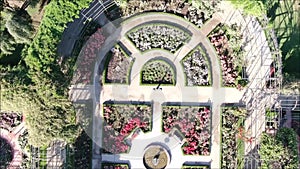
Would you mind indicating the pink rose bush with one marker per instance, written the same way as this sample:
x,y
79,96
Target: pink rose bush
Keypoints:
x,y
120,121
193,123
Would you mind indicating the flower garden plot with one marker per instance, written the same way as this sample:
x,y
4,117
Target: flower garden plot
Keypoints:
x,y
120,120
193,123
114,166
227,43
196,68
233,137
86,58
157,72
159,36
118,66
196,12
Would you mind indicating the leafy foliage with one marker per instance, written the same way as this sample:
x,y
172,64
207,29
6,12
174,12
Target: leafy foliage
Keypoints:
x,y
156,72
18,24
193,123
255,8
227,42
118,68
120,121
279,151
86,59
232,120
39,90
196,68
161,36
15,30
195,11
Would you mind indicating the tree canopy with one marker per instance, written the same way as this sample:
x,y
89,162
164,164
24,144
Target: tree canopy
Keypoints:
x,y
36,86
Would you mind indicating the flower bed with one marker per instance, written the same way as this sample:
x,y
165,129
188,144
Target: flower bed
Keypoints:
x,y
114,166
227,42
232,137
196,68
160,36
9,120
193,123
87,57
196,12
120,121
118,68
157,72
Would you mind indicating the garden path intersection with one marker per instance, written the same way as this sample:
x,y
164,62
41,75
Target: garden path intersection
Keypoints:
x,y
213,96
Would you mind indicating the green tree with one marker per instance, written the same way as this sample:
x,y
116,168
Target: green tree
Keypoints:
x,y
37,87
18,24
7,45
250,7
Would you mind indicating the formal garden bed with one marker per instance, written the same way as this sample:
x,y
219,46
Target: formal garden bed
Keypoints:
x,y
120,120
194,124
87,57
159,36
105,165
158,72
118,66
196,12
227,43
280,150
233,137
196,68
9,120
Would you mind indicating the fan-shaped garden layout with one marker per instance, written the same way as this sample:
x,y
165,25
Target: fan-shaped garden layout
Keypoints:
x,y
160,88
